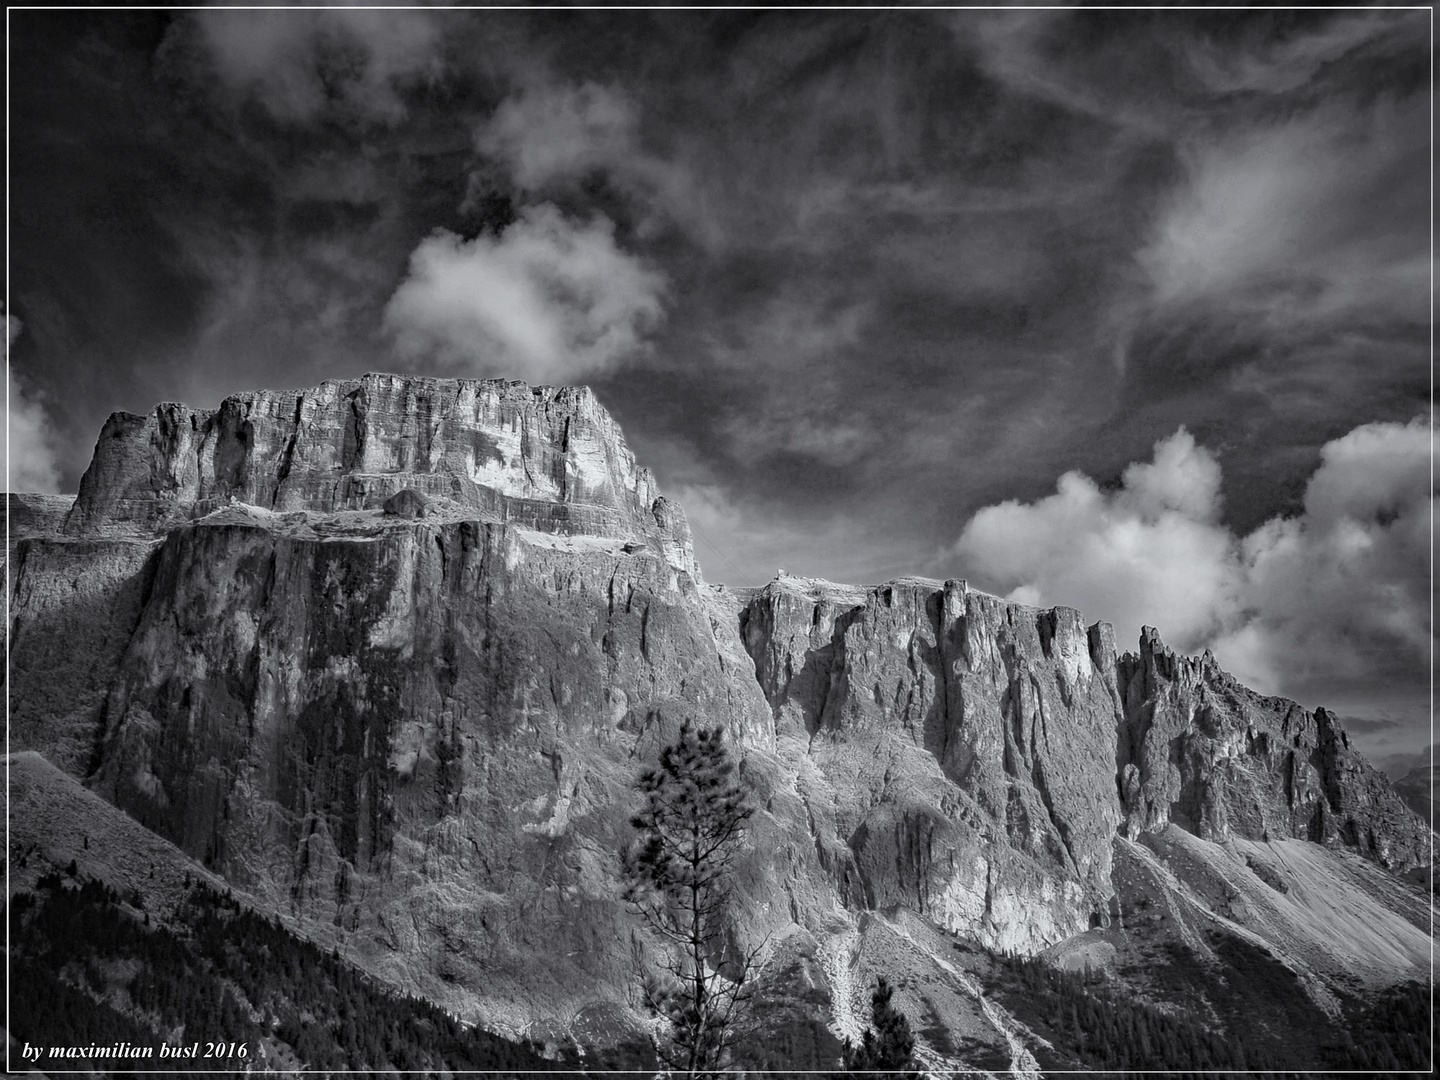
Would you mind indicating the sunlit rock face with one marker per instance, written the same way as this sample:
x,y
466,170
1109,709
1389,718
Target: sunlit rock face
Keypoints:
x,y
390,653
1220,760
424,735
970,743
539,457
396,678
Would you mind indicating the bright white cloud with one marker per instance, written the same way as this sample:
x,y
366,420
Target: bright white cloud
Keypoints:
x,y
1341,590
296,60
1344,589
548,300
28,457
1148,553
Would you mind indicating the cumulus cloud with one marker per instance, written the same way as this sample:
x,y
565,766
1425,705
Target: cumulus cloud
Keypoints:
x,y
1342,590
1151,552
296,61
29,462
550,299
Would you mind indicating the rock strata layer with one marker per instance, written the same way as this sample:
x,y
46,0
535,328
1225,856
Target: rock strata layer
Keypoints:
x,y
389,653
539,457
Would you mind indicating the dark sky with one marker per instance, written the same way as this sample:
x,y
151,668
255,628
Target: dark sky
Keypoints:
x,y
1123,310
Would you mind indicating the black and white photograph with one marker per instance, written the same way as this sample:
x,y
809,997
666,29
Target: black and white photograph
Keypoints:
x,y
687,542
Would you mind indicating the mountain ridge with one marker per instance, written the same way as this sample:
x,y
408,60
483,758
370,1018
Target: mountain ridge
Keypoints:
x,y
409,707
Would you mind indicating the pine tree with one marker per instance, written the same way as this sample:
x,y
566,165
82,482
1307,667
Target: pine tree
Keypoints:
x,y
887,1047
678,880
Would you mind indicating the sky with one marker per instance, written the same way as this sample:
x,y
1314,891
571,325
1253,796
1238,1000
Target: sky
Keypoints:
x,y
1128,311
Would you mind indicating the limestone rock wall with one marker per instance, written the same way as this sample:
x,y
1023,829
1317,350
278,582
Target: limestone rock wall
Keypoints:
x,y
424,735
982,754
1220,760
389,653
970,743
34,515
548,458
74,604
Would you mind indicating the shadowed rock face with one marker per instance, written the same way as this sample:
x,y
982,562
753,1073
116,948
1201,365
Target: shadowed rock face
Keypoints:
x,y
389,654
1417,788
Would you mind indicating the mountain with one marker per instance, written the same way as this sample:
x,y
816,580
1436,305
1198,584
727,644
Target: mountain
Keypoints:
x,y
387,655
1417,788
121,942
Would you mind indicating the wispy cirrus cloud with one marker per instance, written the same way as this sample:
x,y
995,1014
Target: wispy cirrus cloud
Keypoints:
x,y
549,132
297,63
1298,222
551,136
1275,66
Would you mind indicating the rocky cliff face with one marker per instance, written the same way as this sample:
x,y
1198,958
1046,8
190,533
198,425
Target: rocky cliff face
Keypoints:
x,y
385,654
1220,760
542,458
974,741
1028,742
389,653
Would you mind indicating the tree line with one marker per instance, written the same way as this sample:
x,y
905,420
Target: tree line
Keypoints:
x,y
221,971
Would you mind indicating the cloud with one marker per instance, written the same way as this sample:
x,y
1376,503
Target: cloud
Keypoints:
x,y
29,462
1288,63
1310,219
296,62
1152,552
551,134
1036,54
547,132
549,300
793,354
1341,591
